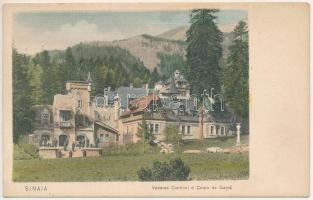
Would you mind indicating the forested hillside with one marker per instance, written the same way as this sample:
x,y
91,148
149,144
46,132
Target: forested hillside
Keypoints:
x,y
146,48
37,79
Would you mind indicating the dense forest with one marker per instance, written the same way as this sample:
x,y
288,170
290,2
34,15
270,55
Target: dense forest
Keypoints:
x,y
36,79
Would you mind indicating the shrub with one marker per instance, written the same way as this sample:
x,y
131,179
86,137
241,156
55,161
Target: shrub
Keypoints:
x,y
175,170
172,134
25,152
144,174
130,149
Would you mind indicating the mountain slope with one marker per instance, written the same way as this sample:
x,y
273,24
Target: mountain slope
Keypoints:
x,y
175,34
146,48
180,34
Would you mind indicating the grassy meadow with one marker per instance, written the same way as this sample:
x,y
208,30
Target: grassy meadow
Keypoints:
x,y
122,164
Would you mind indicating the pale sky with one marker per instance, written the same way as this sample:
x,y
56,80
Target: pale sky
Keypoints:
x,y
33,32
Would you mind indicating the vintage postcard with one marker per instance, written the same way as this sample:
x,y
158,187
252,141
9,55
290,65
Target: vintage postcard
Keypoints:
x,y
137,100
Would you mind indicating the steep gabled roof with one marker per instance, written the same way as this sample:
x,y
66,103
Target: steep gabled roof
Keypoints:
x,y
171,87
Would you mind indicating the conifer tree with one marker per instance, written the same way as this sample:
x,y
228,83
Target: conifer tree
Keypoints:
x,y
22,113
154,77
72,73
236,72
34,75
204,51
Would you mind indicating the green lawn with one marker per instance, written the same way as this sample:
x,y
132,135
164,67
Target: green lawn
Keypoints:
x,y
124,167
216,142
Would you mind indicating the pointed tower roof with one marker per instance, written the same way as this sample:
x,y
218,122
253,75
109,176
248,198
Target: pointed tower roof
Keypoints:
x,y
172,87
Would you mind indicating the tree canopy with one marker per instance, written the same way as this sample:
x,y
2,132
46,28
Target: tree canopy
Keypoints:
x,y
204,51
236,72
22,99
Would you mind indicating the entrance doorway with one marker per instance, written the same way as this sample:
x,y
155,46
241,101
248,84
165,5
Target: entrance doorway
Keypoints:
x,y
63,139
81,141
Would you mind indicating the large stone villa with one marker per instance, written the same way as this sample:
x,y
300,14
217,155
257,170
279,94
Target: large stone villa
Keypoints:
x,y
80,125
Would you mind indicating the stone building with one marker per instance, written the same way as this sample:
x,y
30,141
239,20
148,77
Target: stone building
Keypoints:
x,y
190,125
43,125
175,87
76,119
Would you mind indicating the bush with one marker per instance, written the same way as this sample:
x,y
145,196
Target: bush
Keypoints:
x,y
130,149
172,135
25,152
175,170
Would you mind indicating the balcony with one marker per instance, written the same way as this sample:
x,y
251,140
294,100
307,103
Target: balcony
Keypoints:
x,y
65,124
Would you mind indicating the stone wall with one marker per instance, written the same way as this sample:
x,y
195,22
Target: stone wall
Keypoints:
x,y
93,152
48,153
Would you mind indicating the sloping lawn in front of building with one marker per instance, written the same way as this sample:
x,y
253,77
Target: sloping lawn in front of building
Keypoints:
x,y
124,167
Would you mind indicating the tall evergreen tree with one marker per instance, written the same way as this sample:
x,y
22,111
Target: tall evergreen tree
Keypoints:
x,y
34,75
70,64
42,62
236,72
22,113
154,77
204,51
42,59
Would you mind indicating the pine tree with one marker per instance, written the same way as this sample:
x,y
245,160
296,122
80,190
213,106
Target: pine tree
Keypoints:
x,y
204,51
22,113
70,64
236,72
154,77
34,75
42,62
42,59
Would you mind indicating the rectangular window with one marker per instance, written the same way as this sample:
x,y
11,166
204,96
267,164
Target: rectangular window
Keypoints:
x,y
45,118
212,130
79,103
65,116
106,138
183,129
151,128
101,138
156,128
222,130
188,129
